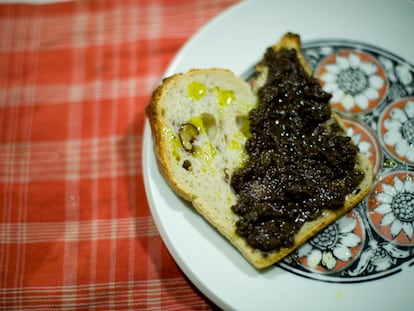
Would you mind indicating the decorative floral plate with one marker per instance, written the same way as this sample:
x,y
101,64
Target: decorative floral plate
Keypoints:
x,y
365,261
374,92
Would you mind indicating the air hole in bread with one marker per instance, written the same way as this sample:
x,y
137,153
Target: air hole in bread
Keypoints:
x,y
187,165
243,123
210,125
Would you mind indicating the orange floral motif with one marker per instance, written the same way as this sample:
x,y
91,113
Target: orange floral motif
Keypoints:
x,y
391,208
355,79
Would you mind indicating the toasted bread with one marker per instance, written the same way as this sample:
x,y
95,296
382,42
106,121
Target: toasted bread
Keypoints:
x,y
198,124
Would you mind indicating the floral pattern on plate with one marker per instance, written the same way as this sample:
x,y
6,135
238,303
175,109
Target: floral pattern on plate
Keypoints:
x,y
335,247
366,140
373,91
355,79
391,207
397,129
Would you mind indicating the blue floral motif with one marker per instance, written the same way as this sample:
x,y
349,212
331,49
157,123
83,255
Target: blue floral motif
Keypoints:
x,y
378,257
332,244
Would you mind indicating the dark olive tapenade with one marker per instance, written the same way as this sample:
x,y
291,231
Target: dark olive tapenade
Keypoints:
x,y
300,160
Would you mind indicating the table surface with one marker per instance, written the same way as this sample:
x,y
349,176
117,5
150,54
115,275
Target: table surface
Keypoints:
x,y
76,232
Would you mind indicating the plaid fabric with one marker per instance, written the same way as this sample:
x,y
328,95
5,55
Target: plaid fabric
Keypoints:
x,y
75,228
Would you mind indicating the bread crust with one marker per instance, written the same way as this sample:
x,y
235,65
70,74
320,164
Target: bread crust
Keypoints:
x,y
156,120
218,211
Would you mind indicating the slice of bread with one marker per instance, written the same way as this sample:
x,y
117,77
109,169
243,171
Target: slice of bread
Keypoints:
x,y
198,169
199,126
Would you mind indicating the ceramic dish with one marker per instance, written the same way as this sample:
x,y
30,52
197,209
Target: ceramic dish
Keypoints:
x,y
362,52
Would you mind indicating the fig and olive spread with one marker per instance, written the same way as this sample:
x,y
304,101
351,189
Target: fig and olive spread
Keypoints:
x,y
300,160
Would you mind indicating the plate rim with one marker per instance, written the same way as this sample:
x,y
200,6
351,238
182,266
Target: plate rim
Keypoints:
x,y
147,144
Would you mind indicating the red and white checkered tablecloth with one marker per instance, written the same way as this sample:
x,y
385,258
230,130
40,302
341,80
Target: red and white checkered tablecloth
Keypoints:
x,y
76,232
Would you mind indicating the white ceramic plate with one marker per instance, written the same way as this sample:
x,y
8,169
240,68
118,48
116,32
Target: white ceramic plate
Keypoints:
x,y
237,40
